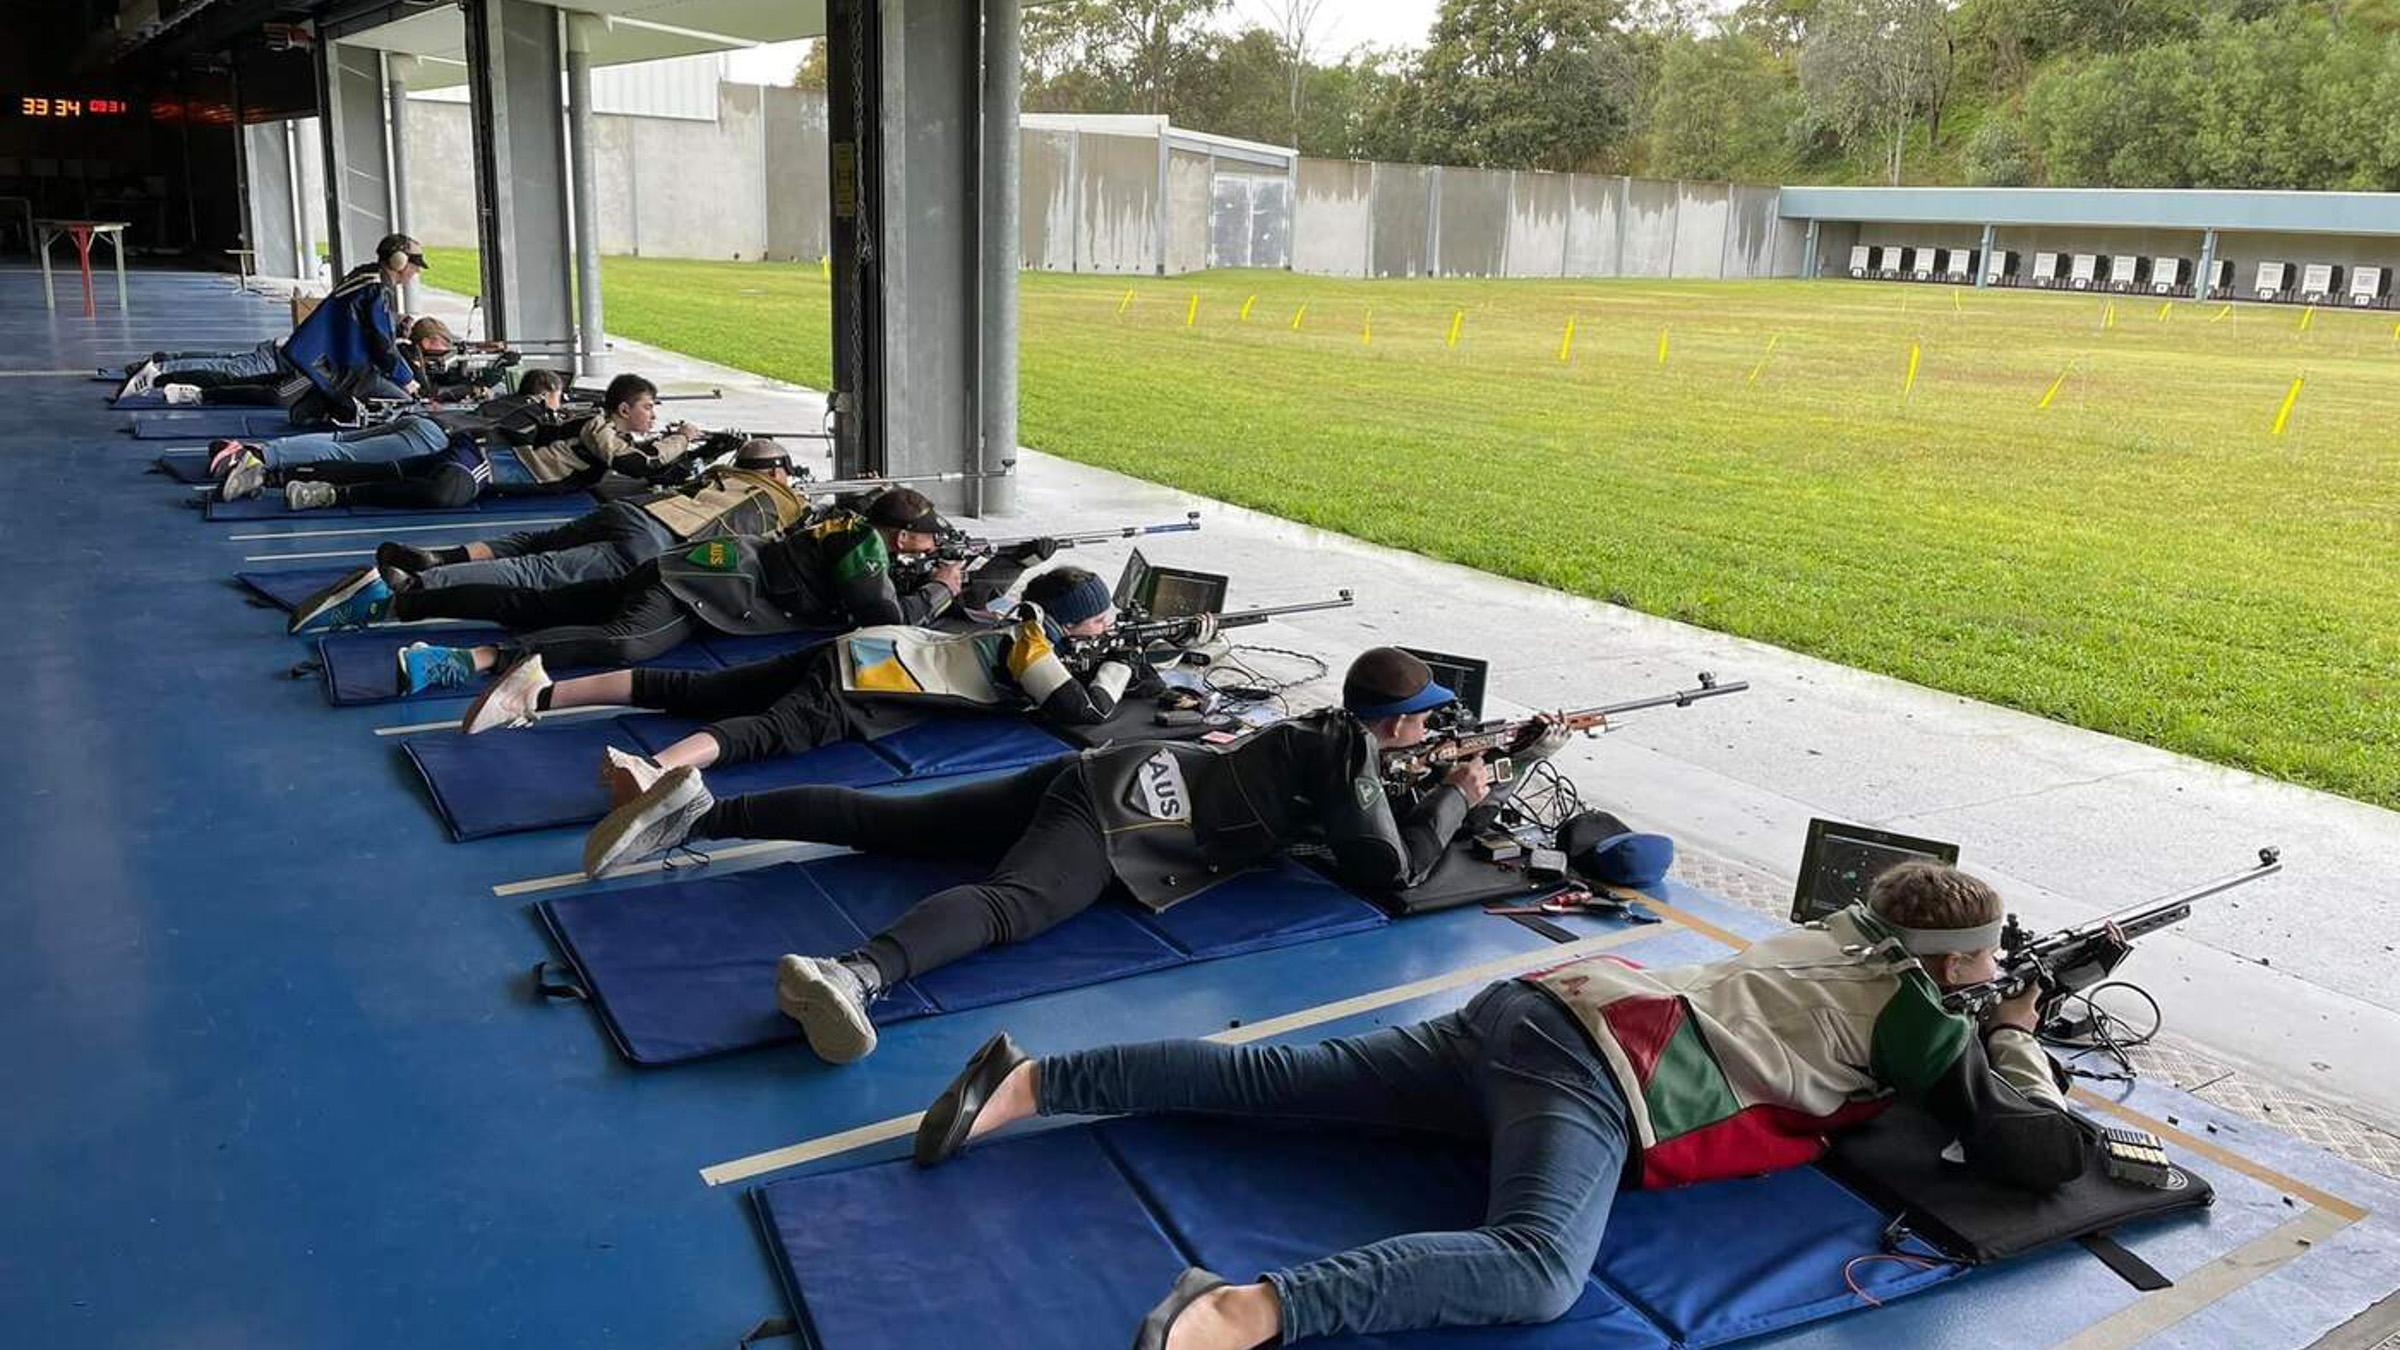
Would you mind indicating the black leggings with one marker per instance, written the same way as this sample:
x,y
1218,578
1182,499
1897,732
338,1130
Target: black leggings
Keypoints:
x,y
429,483
615,621
1037,828
780,706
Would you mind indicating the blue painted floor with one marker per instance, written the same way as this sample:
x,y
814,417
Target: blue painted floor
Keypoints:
x,y
275,1076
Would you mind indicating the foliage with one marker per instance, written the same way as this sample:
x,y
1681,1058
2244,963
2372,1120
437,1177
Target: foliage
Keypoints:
x,y
1523,84
2141,558
1723,108
1999,154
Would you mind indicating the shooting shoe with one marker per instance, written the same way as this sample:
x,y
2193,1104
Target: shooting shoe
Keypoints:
x,y
943,1132
659,819
626,776
308,495
829,1003
511,701
1193,1285
359,597
246,478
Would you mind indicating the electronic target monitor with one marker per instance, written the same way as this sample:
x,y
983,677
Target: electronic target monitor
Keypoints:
x,y
1840,861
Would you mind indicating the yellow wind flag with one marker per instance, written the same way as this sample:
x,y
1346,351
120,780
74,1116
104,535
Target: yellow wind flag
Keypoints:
x,y
1957,304
1772,339
1246,304
2221,313
825,266
1191,312
2108,316
2307,316
1366,328
2283,414
1914,351
2165,307
1127,301
1662,346
1298,315
1458,319
1567,344
2052,391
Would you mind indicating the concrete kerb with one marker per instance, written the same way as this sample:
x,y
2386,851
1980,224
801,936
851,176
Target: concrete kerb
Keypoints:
x,y
2293,984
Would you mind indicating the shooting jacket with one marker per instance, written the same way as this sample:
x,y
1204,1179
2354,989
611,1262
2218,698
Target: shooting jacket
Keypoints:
x,y
598,447
1744,1065
1182,817
726,501
1005,666
832,573
350,334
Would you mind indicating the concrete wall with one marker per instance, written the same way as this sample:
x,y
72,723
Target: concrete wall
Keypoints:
x,y
1471,229
796,170
1116,222
1701,210
1647,230
1402,202
1536,245
1595,212
699,188
270,225
1752,233
1046,218
441,174
1332,217
1189,194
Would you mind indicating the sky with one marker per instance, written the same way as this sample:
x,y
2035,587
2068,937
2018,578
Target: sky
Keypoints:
x,y
1341,25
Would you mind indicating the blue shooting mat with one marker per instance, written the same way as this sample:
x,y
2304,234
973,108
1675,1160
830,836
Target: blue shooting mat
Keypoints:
x,y
1068,1236
187,424
363,667
189,467
270,506
547,775
286,587
686,969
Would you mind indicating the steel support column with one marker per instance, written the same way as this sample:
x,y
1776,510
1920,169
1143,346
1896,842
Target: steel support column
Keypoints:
x,y
1983,260
2202,283
591,338
1003,64
515,57
396,70
358,174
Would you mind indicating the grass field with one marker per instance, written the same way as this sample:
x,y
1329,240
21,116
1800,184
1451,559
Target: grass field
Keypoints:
x,y
2141,557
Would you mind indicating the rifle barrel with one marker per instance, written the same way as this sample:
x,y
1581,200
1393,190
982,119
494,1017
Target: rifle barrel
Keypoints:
x,y
2172,907
1681,698
1186,525
1240,618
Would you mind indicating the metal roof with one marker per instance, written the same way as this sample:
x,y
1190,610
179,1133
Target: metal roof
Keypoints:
x,y
2136,208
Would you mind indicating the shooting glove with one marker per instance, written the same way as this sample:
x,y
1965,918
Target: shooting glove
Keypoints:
x,y
1547,740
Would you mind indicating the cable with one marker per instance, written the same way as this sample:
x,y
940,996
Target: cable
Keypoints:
x,y
1247,676
2108,1033
1905,1258
1544,797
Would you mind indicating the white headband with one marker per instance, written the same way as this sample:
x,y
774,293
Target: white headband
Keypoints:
x,y
1947,941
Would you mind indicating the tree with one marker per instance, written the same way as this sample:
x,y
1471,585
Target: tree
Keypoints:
x,y
1868,67
1113,56
1519,84
1721,107
1292,22
811,74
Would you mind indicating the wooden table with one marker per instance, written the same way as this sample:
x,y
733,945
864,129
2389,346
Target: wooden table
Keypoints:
x,y
82,232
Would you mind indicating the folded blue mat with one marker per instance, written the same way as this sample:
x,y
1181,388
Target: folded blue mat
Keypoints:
x,y
363,667
686,969
547,775
1068,1236
269,506
186,424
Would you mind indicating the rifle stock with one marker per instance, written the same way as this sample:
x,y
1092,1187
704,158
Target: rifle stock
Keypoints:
x,y
1457,745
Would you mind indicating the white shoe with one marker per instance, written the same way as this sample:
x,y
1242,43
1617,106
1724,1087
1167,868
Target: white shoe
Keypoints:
x,y
141,379
512,700
247,477
181,395
309,495
659,819
620,771
830,1005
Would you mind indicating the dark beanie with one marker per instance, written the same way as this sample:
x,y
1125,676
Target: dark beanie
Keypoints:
x,y
1386,681
1069,595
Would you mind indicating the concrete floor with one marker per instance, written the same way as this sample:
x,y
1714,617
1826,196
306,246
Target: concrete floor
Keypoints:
x,y
2290,978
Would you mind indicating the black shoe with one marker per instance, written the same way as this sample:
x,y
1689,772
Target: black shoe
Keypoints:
x,y
1190,1287
943,1131
396,557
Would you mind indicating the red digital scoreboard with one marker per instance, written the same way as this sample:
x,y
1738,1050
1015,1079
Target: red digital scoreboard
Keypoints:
x,y
69,107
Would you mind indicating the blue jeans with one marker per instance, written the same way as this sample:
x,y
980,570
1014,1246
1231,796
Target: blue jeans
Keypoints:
x,y
402,438
598,545
1512,1070
259,363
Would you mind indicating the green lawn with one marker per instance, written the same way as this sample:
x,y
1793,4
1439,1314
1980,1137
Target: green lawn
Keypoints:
x,y
2142,557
